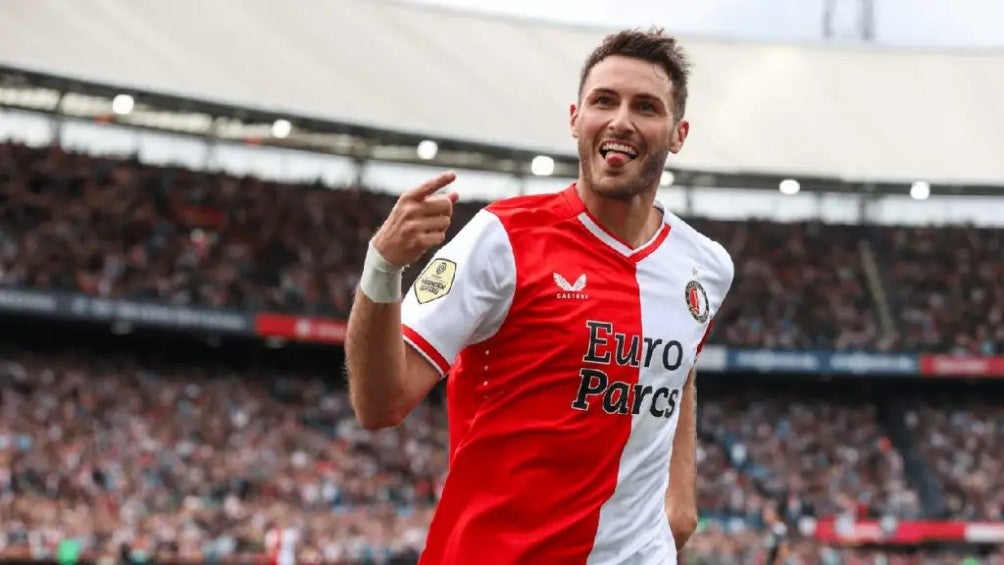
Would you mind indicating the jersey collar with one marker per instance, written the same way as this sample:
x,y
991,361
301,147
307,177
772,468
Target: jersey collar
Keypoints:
x,y
594,227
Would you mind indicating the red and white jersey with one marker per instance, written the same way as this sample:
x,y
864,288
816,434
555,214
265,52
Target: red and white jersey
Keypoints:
x,y
566,353
280,544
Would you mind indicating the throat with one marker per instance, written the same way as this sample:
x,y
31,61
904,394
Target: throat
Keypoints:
x,y
634,221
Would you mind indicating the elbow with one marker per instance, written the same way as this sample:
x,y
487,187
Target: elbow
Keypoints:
x,y
371,413
375,422
683,525
373,418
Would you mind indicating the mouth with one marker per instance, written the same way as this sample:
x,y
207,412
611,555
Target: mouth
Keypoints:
x,y
617,153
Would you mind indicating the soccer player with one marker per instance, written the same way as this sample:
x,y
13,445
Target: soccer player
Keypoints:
x,y
566,326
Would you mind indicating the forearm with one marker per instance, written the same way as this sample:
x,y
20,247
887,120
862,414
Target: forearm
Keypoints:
x,y
375,358
681,503
387,379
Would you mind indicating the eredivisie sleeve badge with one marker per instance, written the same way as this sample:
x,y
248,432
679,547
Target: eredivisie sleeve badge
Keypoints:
x,y
697,301
435,281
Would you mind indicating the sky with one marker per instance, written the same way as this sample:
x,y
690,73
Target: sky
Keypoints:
x,y
902,23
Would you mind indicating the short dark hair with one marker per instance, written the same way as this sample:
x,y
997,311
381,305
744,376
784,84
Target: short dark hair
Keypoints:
x,y
654,46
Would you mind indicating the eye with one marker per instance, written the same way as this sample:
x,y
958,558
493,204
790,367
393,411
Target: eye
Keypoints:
x,y
646,107
603,100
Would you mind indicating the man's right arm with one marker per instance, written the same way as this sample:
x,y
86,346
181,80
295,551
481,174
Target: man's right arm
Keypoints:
x,y
387,378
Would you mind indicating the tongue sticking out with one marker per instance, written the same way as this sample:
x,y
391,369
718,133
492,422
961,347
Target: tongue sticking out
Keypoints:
x,y
616,158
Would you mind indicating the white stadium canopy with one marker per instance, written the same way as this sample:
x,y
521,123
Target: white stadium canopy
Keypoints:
x,y
852,113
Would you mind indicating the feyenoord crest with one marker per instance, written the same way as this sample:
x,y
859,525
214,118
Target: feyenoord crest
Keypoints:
x,y
697,301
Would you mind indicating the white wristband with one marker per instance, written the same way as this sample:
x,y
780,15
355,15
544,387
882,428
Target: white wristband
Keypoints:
x,y
380,281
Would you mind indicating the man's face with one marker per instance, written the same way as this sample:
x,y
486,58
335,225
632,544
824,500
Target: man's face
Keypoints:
x,y
625,126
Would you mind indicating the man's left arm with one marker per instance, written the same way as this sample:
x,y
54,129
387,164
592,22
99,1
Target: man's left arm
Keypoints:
x,y
681,497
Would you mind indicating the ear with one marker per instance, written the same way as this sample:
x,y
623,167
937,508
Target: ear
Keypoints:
x,y
573,117
680,132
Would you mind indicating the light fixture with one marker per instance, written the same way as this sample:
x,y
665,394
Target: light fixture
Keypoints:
x,y
789,186
542,165
122,104
667,178
281,128
920,190
427,149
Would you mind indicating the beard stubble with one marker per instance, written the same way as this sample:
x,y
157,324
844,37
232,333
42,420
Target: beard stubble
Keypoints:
x,y
626,186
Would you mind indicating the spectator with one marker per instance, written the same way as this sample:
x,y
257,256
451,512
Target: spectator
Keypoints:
x,y
964,445
820,457
194,462
119,229
946,284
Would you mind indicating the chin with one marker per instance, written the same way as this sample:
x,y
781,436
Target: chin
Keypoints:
x,y
619,189
617,183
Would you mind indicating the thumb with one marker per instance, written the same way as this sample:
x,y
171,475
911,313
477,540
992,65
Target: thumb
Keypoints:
x,y
453,196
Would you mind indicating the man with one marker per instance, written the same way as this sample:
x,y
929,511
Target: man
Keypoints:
x,y
280,544
775,542
567,326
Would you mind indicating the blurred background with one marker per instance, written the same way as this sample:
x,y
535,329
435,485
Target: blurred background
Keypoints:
x,y
187,189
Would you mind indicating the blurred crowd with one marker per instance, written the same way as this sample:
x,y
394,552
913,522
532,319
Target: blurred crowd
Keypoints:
x,y
813,457
797,286
117,228
717,546
199,460
948,285
202,459
965,447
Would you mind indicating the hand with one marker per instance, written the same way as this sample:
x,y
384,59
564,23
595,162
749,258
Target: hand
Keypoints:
x,y
417,222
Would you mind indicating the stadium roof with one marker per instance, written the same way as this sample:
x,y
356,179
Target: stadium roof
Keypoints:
x,y
842,112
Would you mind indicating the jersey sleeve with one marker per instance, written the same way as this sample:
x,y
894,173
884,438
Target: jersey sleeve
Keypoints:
x,y
721,283
463,295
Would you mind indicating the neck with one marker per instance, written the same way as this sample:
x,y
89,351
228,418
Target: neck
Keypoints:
x,y
634,221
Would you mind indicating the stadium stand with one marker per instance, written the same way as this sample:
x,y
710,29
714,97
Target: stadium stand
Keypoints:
x,y
128,230
194,461
188,454
945,282
797,286
174,450
963,441
785,447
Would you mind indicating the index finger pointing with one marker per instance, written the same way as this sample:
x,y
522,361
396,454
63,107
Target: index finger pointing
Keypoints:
x,y
427,188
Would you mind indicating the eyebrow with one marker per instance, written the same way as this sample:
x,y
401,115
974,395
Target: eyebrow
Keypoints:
x,y
643,95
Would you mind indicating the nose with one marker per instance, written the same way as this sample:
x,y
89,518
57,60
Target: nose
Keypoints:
x,y
620,122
